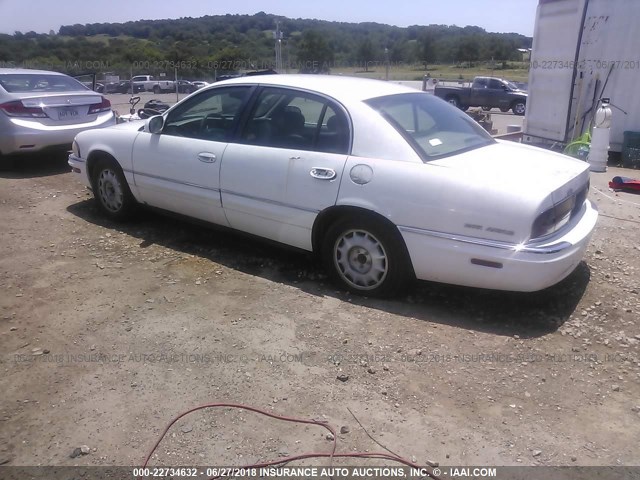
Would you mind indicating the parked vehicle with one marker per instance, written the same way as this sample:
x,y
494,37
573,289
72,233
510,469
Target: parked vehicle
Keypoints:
x,y
126,86
200,84
385,183
152,84
486,92
41,109
583,51
185,86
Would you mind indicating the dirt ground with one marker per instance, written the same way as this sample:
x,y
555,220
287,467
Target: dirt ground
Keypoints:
x,y
108,331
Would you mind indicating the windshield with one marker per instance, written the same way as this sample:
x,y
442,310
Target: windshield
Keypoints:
x,y
435,128
30,82
512,85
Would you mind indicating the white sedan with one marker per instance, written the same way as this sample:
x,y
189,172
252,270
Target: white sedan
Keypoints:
x,y
384,182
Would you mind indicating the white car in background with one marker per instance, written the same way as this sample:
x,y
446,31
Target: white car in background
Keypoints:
x,y
40,109
200,84
384,182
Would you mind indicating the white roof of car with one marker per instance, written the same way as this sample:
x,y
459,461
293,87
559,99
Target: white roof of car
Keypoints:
x,y
342,88
13,71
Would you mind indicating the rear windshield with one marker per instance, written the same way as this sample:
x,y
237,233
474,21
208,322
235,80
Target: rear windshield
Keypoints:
x,y
30,82
434,128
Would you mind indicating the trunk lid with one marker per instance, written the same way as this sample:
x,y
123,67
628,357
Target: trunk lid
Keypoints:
x,y
64,109
522,170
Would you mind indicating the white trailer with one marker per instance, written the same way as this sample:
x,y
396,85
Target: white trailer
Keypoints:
x,y
583,51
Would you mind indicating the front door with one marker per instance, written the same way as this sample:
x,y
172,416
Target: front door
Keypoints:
x,y
179,169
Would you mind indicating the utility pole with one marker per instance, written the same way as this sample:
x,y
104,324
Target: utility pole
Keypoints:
x,y
278,35
386,63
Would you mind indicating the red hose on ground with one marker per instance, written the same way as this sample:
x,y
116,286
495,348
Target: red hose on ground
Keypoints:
x,y
331,455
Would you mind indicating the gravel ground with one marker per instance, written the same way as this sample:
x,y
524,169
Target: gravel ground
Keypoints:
x,y
108,331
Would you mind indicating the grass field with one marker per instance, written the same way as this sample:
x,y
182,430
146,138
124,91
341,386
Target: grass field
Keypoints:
x,y
517,71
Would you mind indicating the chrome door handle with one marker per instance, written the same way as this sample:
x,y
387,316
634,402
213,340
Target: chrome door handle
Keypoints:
x,y
322,173
206,157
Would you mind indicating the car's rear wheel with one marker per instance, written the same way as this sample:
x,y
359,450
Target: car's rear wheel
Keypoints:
x,y
367,257
111,190
486,109
519,107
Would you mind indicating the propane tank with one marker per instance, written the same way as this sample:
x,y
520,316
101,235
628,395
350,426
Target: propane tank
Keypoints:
x,y
600,136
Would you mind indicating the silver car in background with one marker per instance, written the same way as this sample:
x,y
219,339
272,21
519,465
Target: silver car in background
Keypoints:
x,y
41,109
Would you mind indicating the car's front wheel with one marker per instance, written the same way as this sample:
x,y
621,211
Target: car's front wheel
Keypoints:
x,y
111,190
367,257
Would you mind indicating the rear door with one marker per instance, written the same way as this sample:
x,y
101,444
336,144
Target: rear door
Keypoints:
x,y
479,92
286,166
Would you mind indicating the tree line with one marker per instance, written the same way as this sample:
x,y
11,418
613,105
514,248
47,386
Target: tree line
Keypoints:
x,y
227,43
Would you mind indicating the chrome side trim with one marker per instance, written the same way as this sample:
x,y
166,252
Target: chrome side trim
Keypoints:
x,y
266,200
188,184
513,247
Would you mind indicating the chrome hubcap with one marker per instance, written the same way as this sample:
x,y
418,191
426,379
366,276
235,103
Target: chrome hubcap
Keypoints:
x,y
110,190
520,108
361,259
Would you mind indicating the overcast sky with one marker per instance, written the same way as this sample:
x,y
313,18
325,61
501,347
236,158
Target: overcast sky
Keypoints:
x,y
493,15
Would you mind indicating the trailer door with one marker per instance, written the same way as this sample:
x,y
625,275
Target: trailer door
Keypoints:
x,y
556,41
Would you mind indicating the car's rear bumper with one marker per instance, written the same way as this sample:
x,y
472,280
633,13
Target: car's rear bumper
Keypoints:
x,y
25,136
483,263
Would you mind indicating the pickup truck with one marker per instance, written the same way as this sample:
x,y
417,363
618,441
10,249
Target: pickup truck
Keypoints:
x,y
486,92
152,84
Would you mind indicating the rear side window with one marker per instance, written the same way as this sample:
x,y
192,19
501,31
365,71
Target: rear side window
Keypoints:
x,y
283,118
29,82
433,127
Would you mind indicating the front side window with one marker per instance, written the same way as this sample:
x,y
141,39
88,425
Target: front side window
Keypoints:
x,y
495,84
434,128
284,118
212,115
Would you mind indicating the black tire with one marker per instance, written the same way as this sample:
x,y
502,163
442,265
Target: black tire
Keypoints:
x,y
111,190
355,269
486,109
518,107
7,163
156,89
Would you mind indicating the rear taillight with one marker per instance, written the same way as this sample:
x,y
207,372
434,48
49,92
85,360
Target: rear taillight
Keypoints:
x,y
17,109
553,219
103,106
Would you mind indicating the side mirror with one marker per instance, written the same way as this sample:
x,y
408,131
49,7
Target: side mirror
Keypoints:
x,y
154,124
